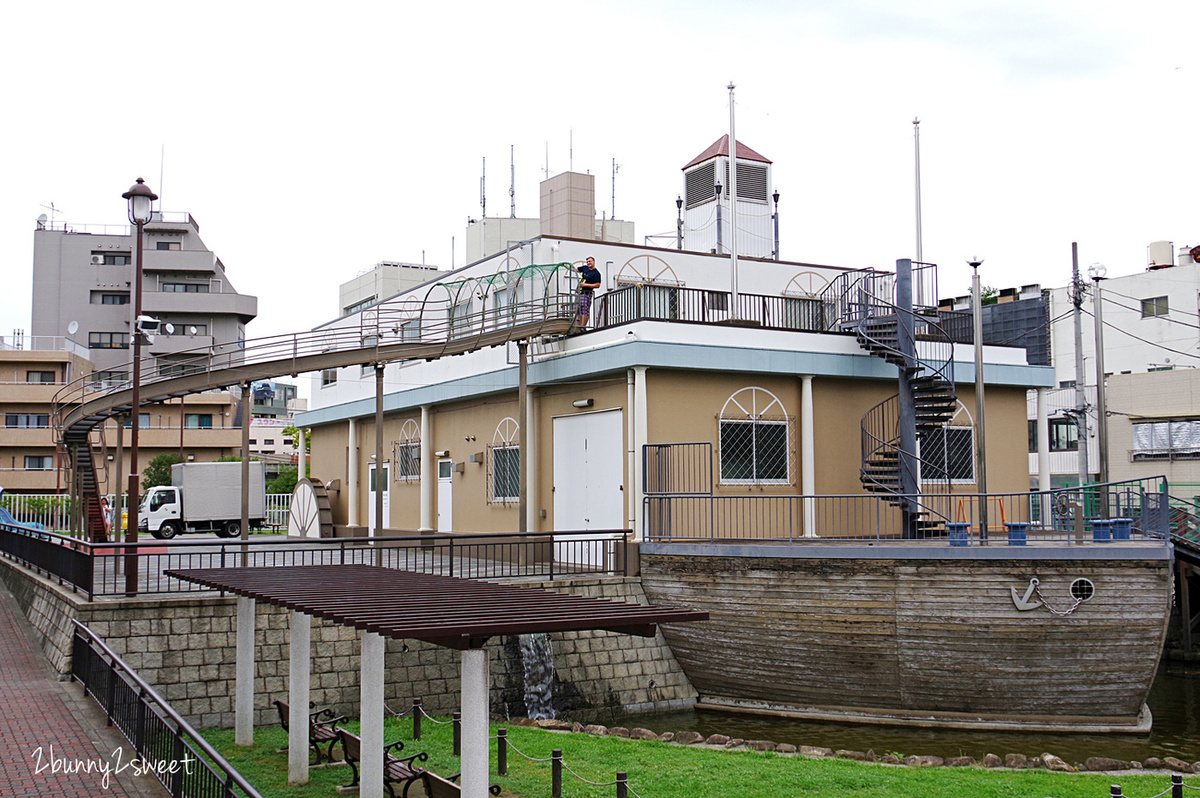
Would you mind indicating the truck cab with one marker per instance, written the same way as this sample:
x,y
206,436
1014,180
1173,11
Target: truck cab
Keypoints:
x,y
161,512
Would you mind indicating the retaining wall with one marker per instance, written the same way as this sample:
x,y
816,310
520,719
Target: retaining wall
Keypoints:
x,y
185,649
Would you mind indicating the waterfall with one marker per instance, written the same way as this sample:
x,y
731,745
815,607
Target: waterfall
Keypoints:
x,y
537,658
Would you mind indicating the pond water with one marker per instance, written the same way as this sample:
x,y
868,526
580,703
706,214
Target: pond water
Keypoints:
x,y
1174,701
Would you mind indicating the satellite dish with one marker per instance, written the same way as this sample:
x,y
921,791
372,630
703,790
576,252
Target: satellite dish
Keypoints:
x,y
41,221
72,328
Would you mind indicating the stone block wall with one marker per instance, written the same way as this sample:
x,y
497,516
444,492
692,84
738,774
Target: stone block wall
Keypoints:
x,y
185,648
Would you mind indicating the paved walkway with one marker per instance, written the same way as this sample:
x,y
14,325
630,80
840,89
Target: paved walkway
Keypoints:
x,y
54,739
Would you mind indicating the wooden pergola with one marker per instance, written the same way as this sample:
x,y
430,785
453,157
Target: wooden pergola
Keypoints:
x,y
382,602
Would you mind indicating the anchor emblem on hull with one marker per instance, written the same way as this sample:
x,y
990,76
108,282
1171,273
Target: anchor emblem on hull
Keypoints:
x,y
1022,602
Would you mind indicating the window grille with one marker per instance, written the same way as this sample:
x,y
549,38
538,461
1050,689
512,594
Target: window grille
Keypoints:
x,y
756,440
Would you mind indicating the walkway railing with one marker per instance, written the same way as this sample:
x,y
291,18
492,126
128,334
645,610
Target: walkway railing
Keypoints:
x,y
97,569
1074,516
167,747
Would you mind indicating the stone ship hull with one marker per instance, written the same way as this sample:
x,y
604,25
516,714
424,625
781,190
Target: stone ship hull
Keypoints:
x,y
922,636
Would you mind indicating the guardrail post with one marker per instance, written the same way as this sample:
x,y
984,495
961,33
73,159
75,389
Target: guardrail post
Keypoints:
x,y
109,694
502,752
417,710
1176,785
556,773
177,780
457,721
622,784
139,735
1115,791
451,547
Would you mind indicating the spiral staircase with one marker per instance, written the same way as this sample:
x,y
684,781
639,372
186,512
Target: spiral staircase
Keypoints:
x,y
878,308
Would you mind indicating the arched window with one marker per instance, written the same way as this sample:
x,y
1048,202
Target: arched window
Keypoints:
x,y
755,439
948,453
504,463
408,452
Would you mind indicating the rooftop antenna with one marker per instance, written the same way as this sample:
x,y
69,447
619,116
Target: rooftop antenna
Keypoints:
x,y
616,168
53,210
546,171
512,182
917,158
162,158
571,149
482,194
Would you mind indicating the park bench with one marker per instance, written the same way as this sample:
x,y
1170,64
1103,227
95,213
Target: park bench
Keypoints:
x,y
396,770
322,729
439,787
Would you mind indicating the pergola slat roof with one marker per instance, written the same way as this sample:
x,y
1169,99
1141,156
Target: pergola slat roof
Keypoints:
x,y
443,610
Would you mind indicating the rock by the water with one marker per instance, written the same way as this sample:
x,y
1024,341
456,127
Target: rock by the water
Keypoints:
x,y
595,729
1154,763
1016,761
760,745
716,739
961,762
992,761
1178,765
924,761
815,751
1056,764
858,756
1104,763
618,731
688,737
890,759
785,748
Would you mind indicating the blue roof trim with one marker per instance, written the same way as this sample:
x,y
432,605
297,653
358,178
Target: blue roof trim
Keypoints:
x,y
620,356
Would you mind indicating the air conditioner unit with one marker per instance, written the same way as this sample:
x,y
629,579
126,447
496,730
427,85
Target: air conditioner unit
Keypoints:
x,y
97,260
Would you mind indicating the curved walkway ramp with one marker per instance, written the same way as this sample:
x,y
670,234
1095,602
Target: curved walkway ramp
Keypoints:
x,y
454,318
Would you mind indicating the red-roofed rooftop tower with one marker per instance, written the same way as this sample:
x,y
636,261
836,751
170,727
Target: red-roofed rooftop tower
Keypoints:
x,y
701,176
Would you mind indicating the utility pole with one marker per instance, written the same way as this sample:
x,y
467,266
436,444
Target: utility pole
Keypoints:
x,y
1077,292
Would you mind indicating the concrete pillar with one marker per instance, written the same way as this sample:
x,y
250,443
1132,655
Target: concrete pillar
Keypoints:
x,y
808,456
302,453
428,470
352,475
243,709
474,758
299,640
370,710
640,435
529,423
1043,446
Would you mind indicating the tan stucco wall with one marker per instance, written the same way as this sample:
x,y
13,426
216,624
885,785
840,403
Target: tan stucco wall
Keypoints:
x,y
683,406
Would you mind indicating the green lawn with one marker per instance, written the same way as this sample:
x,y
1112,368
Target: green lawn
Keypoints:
x,y
662,770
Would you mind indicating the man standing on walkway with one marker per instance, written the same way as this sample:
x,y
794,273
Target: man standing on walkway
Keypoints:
x,y
589,282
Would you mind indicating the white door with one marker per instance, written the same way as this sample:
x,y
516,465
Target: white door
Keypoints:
x,y
445,494
588,480
387,497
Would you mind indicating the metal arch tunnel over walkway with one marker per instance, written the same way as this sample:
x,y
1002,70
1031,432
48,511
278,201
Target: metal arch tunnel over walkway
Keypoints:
x,y
454,318
382,602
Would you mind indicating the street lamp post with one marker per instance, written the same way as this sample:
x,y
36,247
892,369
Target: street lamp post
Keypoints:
x,y
1097,271
980,430
140,199
775,218
679,223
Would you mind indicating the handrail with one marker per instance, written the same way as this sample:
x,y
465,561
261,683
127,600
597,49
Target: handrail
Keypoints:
x,y
149,697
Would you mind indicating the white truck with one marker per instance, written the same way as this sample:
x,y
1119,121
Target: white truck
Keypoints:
x,y
203,497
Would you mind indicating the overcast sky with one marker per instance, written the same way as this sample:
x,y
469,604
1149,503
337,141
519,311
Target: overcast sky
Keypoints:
x,y
310,141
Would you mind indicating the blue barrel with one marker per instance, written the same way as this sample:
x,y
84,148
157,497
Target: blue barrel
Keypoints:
x,y
1018,532
1122,528
960,534
1102,530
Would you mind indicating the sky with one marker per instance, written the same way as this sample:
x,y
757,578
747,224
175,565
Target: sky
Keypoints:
x,y
312,140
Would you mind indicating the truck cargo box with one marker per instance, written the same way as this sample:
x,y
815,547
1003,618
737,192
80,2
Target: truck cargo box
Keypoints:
x,y
213,491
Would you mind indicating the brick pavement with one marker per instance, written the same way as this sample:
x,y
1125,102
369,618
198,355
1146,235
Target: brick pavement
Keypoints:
x,y
50,735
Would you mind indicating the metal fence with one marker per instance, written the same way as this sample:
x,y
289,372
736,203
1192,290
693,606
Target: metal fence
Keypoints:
x,y
102,569
52,512
1136,510
164,742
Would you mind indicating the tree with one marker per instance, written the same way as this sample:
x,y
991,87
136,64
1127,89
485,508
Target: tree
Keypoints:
x,y
290,431
285,482
158,472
